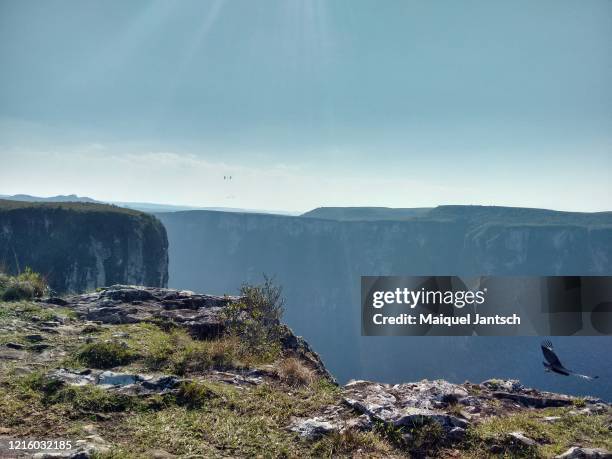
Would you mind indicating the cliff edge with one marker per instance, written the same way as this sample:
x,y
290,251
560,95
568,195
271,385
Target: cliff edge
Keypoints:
x,y
136,372
81,246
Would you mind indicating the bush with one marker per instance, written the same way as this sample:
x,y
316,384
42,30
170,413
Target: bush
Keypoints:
x,y
256,320
25,286
105,355
294,373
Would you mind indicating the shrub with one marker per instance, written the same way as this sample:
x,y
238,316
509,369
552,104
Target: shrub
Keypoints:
x,y
24,286
105,354
256,320
294,373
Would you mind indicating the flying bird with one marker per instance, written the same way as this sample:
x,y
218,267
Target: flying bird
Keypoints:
x,y
554,364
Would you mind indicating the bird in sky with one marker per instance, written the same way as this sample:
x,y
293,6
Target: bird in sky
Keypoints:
x,y
554,364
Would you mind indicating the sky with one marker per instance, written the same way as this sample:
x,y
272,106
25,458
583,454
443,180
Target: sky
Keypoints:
x,y
309,103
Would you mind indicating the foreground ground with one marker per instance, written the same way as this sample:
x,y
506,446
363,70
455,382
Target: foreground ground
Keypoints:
x,y
133,372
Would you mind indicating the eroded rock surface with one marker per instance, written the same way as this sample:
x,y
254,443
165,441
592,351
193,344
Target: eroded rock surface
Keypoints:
x,y
200,314
128,383
454,407
124,304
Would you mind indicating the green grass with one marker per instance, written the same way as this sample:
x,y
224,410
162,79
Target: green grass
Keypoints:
x,y
104,354
25,286
553,437
27,311
9,205
222,419
350,442
173,351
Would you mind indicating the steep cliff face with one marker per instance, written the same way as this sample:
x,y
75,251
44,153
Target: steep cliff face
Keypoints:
x,y
319,263
80,246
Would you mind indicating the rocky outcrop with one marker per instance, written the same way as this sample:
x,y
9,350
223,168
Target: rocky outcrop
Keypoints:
x,y
454,408
200,314
577,452
124,304
417,419
82,246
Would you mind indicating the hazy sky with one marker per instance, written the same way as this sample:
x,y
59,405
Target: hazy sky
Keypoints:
x,y
309,103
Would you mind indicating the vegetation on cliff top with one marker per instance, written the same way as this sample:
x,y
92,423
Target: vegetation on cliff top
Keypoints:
x,y
7,205
237,396
25,286
79,246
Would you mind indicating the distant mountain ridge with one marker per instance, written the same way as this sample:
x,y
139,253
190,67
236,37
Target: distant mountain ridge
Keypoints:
x,y
473,213
58,198
148,207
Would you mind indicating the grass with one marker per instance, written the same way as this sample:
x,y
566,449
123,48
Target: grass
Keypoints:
x,y
48,404
104,354
29,311
213,419
350,442
10,205
25,286
553,437
173,351
294,373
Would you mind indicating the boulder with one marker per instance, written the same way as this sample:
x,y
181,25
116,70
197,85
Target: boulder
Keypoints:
x,y
521,439
578,452
312,428
126,383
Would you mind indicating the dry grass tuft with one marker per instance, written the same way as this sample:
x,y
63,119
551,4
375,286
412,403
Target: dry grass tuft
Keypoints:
x,y
294,373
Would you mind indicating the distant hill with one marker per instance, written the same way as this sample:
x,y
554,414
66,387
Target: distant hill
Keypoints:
x,y
59,198
473,214
365,213
147,207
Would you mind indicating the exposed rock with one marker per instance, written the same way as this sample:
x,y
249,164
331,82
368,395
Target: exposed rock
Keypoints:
x,y
536,399
362,422
127,383
312,429
508,385
34,338
121,304
90,446
577,452
200,314
405,404
457,434
522,439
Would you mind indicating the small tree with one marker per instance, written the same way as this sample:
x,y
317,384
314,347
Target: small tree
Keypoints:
x,y
256,319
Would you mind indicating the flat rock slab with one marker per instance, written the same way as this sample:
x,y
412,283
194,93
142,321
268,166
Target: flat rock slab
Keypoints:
x,y
124,304
127,383
406,404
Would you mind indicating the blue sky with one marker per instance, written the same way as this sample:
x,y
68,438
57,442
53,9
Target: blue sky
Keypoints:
x,y
309,103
